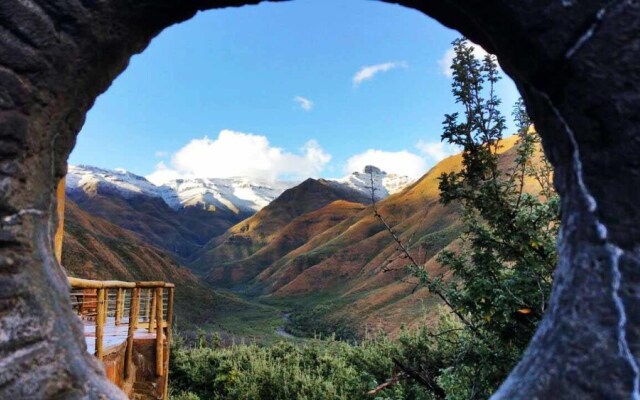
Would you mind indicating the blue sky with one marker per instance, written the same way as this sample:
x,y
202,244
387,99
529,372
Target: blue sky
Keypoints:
x,y
272,91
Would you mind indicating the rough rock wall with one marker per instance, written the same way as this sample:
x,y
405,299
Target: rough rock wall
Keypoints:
x,y
576,62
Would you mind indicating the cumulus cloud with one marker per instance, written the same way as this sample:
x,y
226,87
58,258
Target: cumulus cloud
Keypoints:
x,y
163,174
161,154
304,103
399,162
447,59
369,72
241,154
436,151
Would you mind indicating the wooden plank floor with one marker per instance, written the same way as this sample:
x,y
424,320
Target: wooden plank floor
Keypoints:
x,y
114,335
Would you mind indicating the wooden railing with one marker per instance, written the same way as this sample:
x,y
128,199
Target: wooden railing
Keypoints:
x,y
140,305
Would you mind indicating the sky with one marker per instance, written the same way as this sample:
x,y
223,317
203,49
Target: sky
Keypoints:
x,y
308,88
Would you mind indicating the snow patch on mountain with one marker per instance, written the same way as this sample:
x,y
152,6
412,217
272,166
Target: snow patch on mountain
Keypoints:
x,y
238,195
124,183
235,194
384,184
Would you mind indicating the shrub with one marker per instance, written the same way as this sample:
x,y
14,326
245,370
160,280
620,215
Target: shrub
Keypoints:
x,y
313,370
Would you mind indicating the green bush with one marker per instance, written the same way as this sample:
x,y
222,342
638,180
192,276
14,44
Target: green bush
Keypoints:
x,y
314,370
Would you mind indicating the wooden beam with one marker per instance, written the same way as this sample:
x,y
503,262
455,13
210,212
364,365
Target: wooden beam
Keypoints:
x,y
147,307
124,301
134,312
80,283
150,284
105,315
169,321
119,302
152,314
159,335
169,325
100,318
91,284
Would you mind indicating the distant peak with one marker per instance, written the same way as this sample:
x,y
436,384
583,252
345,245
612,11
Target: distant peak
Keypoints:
x,y
371,169
235,194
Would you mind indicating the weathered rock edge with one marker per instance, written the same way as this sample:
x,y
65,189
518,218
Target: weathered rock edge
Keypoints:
x,y
577,64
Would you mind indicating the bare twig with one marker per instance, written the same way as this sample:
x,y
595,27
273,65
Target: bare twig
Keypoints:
x,y
425,381
390,382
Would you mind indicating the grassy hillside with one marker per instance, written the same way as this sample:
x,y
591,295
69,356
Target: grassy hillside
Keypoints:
x,y
248,247
335,265
181,232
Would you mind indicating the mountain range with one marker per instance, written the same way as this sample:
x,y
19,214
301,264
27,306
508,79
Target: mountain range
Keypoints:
x,y
182,215
316,248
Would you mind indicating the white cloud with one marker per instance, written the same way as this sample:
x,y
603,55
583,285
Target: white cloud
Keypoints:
x,y
304,103
241,154
369,72
399,162
163,174
161,154
447,59
436,151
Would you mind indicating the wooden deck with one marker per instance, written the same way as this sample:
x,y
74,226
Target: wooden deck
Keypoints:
x,y
114,336
136,361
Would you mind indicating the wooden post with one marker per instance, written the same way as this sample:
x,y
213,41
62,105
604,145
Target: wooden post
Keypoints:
x,y
147,307
118,314
159,336
106,305
134,311
152,316
100,318
169,331
122,304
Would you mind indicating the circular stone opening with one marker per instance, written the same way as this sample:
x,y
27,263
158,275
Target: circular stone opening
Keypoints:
x,y
577,68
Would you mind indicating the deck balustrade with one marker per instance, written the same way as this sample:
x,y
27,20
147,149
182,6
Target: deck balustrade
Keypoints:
x,y
117,312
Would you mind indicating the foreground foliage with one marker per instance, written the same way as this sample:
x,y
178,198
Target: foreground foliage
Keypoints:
x,y
502,273
312,370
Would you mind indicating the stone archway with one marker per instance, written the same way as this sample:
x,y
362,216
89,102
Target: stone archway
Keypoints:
x,y
576,62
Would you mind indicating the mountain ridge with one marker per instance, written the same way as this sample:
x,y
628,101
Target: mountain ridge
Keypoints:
x,y
183,215
236,247
237,195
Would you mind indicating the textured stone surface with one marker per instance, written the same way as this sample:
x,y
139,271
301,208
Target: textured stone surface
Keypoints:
x,y
577,63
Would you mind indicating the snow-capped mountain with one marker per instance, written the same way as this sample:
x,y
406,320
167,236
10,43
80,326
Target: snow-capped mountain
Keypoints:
x,y
183,215
90,179
238,195
384,184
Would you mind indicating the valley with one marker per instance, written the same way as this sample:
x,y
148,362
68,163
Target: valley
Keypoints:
x,y
312,251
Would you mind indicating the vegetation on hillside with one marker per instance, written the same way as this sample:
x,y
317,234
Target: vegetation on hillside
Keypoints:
x,y
313,370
